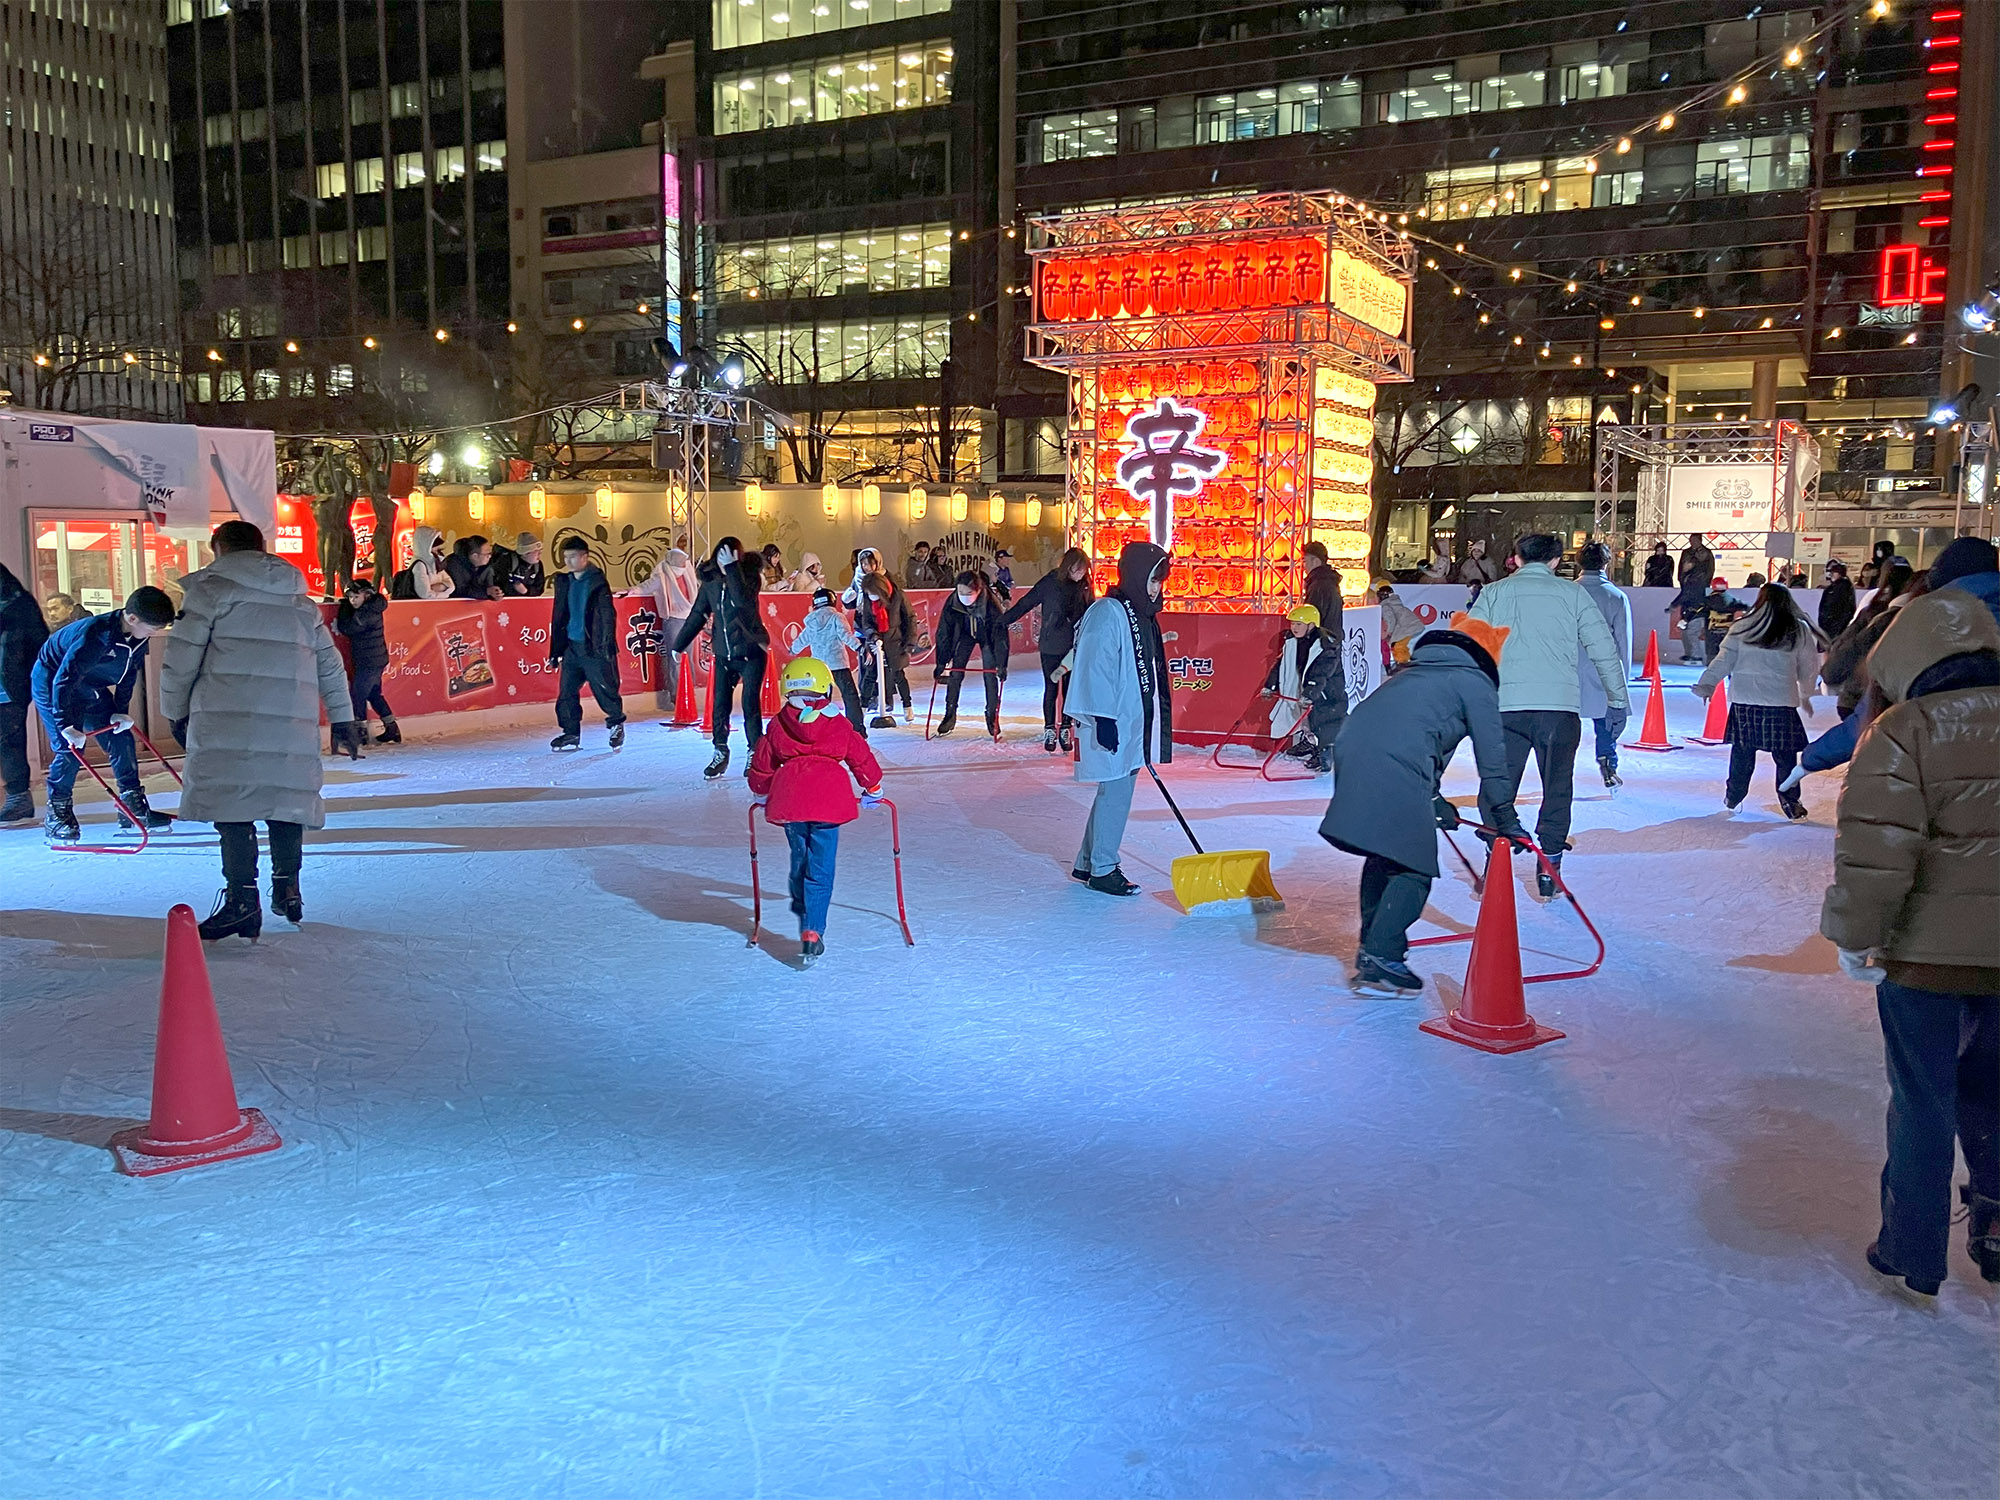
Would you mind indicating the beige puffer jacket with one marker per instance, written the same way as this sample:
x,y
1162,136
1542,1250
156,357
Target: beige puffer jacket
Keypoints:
x,y
1917,864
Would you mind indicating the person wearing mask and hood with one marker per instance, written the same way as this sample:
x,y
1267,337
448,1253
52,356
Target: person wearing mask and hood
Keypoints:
x,y
971,617
470,568
887,625
22,632
1119,697
1062,595
518,569
1659,569
727,605
1914,910
810,578
428,577
1303,680
672,587
1478,569
583,646
1836,601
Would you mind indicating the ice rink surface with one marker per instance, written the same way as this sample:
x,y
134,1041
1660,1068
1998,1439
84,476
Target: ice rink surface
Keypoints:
x,y
581,1198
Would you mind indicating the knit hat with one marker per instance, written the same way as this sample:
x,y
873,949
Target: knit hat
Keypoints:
x,y
822,598
526,540
1963,558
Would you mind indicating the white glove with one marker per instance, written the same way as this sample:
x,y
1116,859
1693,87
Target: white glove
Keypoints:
x,y
74,737
760,801
1863,967
1792,780
121,723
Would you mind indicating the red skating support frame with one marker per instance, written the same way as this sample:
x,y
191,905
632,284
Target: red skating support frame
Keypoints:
x,y
145,835
895,849
1215,756
1555,874
999,693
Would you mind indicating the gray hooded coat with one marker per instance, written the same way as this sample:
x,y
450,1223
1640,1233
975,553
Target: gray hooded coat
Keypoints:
x,y
247,665
1389,759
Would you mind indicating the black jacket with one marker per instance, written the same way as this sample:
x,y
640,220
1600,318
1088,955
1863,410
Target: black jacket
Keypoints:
x,y
1836,607
22,631
468,582
86,672
1659,572
961,628
898,634
1062,605
514,576
1323,594
600,626
1696,563
367,645
729,598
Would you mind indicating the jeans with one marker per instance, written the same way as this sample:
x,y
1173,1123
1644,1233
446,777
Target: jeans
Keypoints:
x,y
365,688
1392,898
1552,737
750,672
602,675
954,680
1943,1053
1607,742
239,851
1743,760
670,663
1693,634
1104,829
119,749
1051,689
814,847
14,748
850,699
1835,747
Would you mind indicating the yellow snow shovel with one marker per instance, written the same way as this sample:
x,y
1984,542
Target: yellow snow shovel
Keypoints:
x,y
1225,875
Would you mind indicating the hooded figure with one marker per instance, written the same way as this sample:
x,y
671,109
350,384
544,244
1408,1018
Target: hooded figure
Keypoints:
x,y
22,631
671,586
1915,909
1119,697
428,577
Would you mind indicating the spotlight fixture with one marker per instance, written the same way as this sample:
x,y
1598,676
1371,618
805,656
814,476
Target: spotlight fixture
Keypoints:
x,y
1947,412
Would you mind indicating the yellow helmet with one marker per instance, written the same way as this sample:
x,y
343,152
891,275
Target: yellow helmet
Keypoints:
x,y
1307,614
805,677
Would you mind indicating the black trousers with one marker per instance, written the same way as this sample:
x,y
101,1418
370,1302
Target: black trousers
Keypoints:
x,y
954,681
898,684
1943,1053
602,675
1051,686
749,671
850,698
1326,720
365,687
1392,898
14,747
1552,738
239,851
1743,761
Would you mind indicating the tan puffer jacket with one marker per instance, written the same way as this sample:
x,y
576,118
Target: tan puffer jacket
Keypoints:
x,y
1917,864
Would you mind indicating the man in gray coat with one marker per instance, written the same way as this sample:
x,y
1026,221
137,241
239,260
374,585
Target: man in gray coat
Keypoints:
x,y
1592,701
246,669
1388,763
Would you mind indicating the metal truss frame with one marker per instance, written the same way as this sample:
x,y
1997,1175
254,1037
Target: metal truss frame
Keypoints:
x,y
1328,334
1654,450
689,415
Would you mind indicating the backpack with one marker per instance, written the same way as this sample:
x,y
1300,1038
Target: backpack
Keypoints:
x,y
404,584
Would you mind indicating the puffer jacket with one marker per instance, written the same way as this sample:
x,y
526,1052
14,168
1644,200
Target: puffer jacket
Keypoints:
x,y
1916,867
803,768
961,626
248,665
827,636
429,578
22,631
729,598
1766,675
1548,619
1617,611
367,641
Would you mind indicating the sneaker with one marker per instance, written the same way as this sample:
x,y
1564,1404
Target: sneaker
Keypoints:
x,y
1049,741
60,824
718,763
1883,1268
1081,877
811,946
18,812
565,742
1608,769
1385,977
1114,884
617,736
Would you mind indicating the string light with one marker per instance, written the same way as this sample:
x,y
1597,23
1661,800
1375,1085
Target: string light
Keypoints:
x,y
1570,287
442,335
291,346
1666,121
1738,94
1794,57
1624,144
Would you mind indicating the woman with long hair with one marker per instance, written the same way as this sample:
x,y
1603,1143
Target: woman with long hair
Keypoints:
x,y
1771,659
1062,594
1844,670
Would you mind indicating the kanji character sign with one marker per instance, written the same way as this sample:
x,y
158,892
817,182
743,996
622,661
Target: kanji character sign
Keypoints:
x,y
1163,461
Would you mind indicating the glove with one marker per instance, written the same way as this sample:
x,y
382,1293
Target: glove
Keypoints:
x,y
347,737
937,674
180,732
1616,720
1864,966
74,737
1510,828
760,801
1107,734
121,723
1002,674
872,797
1446,814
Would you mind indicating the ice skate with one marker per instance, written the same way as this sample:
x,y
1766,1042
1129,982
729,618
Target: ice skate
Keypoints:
x,y
1882,1268
1066,738
1545,882
565,741
60,825
1049,741
1608,769
1113,884
718,763
141,813
390,734
285,900
993,726
1794,809
18,812
909,716
237,914
811,946
617,736
946,725
1384,978
1982,1231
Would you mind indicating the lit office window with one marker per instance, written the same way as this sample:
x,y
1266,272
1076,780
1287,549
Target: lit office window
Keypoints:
x,y
862,260
853,349
744,23
834,88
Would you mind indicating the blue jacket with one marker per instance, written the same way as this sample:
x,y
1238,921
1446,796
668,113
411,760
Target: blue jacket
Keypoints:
x,y
1983,586
86,672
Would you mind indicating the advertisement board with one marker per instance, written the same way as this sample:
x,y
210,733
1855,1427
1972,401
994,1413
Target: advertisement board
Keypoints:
x,y
1715,498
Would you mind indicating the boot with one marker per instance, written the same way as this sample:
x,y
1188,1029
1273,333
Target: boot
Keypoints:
x,y
1066,737
717,763
285,900
1982,1232
390,734
18,810
237,914
1545,884
135,799
60,825
947,724
1608,769
565,741
811,946
993,726
1049,741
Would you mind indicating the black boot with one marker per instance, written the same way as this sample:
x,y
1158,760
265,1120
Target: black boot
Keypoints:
x,y
60,825
18,809
135,801
390,734
993,726
717,763
285,900
1982,1232
947,724
237,914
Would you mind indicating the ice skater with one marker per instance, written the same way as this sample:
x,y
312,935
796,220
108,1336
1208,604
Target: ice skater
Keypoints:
x,y
1593,705
1388,764
583,647
799,775
1771,658
738,642
1306,679
827,637
82,683
1062,595
1119,698
22,632
360,619
972,616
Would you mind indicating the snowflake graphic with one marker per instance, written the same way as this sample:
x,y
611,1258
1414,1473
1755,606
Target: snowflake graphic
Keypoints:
x,y
503,617
512,690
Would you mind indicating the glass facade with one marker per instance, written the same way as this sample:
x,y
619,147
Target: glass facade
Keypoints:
x,y
745,23
837,349
1745,164
834,88
857,260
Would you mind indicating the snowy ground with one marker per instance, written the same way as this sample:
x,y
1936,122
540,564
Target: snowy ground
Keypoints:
x,y
1079,1197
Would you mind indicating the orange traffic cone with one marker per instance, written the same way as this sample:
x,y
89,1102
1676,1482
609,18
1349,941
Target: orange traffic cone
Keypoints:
x,y
195,1117
1715,728
685,710
1492,1014
1653,733
1651,672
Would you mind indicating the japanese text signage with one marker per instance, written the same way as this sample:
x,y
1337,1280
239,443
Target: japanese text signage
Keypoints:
x,y
1251,275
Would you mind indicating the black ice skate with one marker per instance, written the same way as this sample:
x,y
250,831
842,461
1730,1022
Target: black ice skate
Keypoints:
x,y
18,812
1049,741
285,900
565,741
1114,884
1384,978
1982,1231
1609,771
617,736
947,724
1066,737
1794,809
718,763
390,734
60,825
993,726
811,946
1545,883
237,914
141,813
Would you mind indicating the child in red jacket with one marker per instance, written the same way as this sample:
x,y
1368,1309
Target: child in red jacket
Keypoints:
x,y
799,776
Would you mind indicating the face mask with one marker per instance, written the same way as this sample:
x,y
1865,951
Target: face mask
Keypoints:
x,y
966,599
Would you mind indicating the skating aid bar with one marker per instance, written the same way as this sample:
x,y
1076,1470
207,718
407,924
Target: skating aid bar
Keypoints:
x,y
1555,876
145,834
1264,770
999,692
895,850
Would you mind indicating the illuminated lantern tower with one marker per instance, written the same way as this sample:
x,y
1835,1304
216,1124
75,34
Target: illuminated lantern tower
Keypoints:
x,y
1222,357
